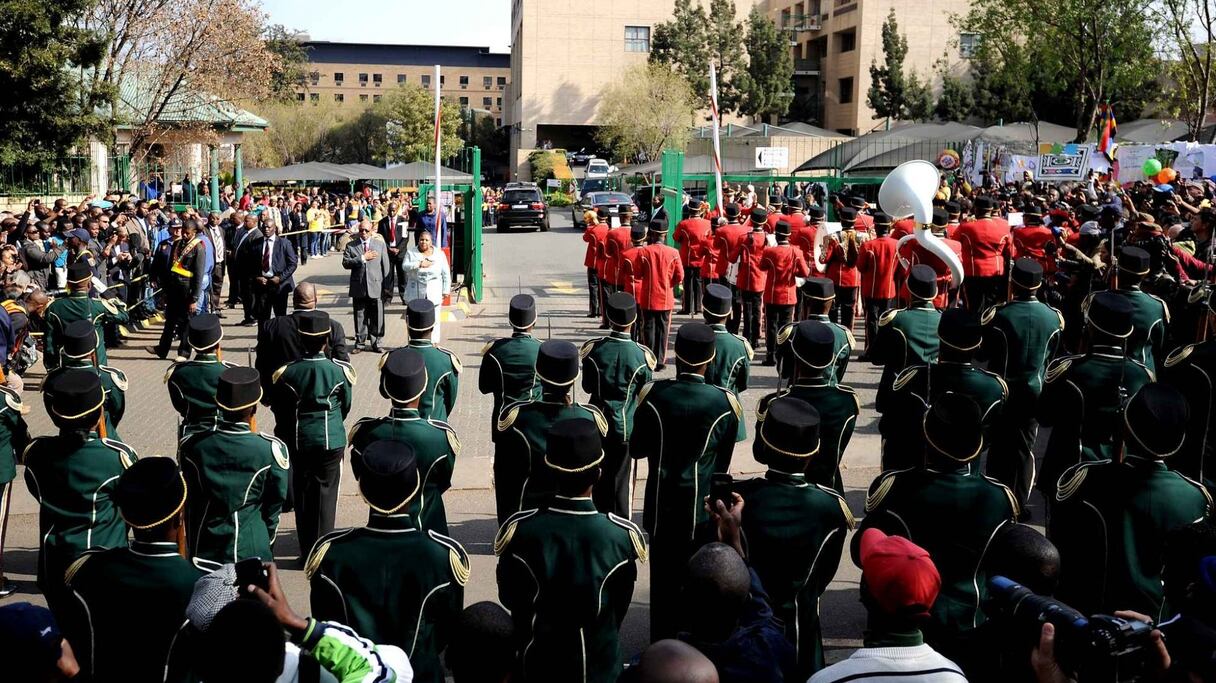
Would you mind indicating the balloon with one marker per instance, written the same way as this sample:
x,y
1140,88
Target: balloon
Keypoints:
x,y
1167,175
1151,167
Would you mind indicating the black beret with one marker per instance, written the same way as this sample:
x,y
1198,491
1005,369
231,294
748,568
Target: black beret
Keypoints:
x,y
731,210
420,315
847,215
403,375
881,218
621,308
1027,273
695,344
150,492
1156,419
75,394
314,323
984,203
239,388
557,363
1134,260
658,226
388,474
818,288
602,212
816,213
795,202
759,214
522,311
79,339
922,282
857,202
637,232
790,428
694,204
1088,212
954,208
574,446
960,329
952,427
1110,313
782,227
1032,210
79,272
814,344
205,331
716,300
940,218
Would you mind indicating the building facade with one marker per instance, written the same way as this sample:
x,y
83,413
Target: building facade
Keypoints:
x,y
361,73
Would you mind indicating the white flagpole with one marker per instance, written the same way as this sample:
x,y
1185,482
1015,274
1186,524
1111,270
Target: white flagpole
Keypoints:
x,y
439,232
713,104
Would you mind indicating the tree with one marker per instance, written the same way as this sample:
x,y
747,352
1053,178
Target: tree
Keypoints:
x,y
726,52
408,113
1192,23
650,109
45,110
681,44
887,95
292,61
1000,87
767,90
297,133
955,102
918,99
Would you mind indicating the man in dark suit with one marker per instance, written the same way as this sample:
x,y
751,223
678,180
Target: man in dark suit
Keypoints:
x,y
367,261
279,340
272,265
394,228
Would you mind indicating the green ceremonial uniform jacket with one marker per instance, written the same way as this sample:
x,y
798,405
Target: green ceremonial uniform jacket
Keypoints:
x,y
79,306
845,343
435,448
521,478
14,434
838,408
685,428
1150,316
1020,338
192,385
508,372
394,584
952,514
113,382
915,389
311,397
795,535
72,476
566,573
237,482
134,595
1110,522
442,379
906,337
615,368
1083,402
731,366
1192,370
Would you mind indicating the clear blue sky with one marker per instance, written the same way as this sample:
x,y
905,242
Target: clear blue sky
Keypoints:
x,y
418,22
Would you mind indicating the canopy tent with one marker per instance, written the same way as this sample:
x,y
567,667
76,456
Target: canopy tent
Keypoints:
x,y
698,165
313,170
320,171
420,171
882,151
1024,137
1152,131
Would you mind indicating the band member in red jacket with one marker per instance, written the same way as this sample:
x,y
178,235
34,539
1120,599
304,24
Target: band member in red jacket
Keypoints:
x,y
693,235
1031,238
915,253
594,234
877,261
864,221
954,211
616,242
840,254
750,282
661,273
987,248
803,239
782,264
632,269
726,241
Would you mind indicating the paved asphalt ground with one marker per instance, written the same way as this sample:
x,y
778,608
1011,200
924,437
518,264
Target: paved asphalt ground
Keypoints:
x,y
546,265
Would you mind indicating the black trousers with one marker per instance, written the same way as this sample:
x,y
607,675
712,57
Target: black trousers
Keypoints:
x,y
606,289
268,300
981,292
691,302
751,303
777,316
236,284
874,308
6,498
842,309
300,244
655,326
614,491
177,318
248,284
397,273
593,293
736,307
1011,453
315,476
217,287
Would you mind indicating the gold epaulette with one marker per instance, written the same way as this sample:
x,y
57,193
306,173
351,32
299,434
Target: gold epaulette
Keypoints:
x,y
601,422
734,403
507,417
885,481
453,439
1179,355
886,318
12,399
1165,308
1057,369
651,361
278,449
645,390
489,345
118,376
784,335
458,559
349,371
274,378
1070,483
849,519
1059,315
989,314
849,335
587,347
314,559
75,567
169,372
507,532
904,377
456,366
635,535
747,346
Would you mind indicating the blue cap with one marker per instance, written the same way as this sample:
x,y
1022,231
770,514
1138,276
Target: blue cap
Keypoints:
x,y
82,234
30,640
1164,187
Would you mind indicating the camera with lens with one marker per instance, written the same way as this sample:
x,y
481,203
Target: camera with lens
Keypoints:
x,y
1096,648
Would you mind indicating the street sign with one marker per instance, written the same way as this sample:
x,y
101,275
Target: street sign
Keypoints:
x,y
553,182
772,157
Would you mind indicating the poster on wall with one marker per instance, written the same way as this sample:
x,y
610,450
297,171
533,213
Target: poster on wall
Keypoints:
x,y
1070,162
1017,165
1192,161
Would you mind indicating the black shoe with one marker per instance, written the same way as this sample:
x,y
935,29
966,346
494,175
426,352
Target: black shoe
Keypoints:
x,y
358,348
660,367
593,315
682,311
153,350
7,587
603,326
377,347
769,363
248,322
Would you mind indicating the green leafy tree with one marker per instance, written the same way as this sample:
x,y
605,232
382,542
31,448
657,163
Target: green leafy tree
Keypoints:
x,y
293,66
1001,86
726,51
1192,25
408,113
767,89
650,109
918,99
955,101
888,86
681,44
45,110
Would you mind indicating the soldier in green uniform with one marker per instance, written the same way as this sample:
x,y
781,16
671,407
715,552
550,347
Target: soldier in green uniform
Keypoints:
x,y
391,582
795,529
1190,369
818,295
14,437
434,443
1020,338
312,396
566,572
615,368
78,351
135,594
508,366
1150,315
78,305
1111,518
237,478
442,366
907,336
1084,395
521,480
812,353
685,429
72,476
192,383
950,512
731,366
916,388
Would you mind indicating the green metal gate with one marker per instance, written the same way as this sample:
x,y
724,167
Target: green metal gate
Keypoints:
x,y
465,230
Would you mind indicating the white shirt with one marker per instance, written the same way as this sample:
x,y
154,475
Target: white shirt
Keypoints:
x,y
217,237
268,248
919,663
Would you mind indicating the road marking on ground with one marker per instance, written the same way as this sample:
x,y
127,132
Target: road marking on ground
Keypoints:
x,y
562,287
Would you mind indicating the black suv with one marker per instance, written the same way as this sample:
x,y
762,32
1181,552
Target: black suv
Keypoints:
x,y
522,205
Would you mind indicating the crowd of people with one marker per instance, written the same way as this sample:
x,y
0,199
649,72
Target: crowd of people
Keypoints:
x,y
1062,319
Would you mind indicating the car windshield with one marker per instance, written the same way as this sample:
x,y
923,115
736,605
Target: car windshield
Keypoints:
x,y
611,198
521,196
595,185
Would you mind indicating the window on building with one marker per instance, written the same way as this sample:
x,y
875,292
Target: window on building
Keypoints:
x,y
487,82
314,78
314,97
502,82
464,82
846,90
426,80
443,80
400,79
968,43
498,123
377,79
487,101
363,80
339,77
846,41
637,39
300,96
339,98
498,102
363,98
376,98
785,19
464,101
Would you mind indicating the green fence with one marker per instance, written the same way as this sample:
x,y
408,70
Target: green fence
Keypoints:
x,y
876,157
66,176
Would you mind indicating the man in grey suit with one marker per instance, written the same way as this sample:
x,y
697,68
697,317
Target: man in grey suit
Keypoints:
x,y
367,260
